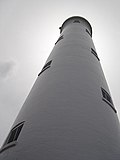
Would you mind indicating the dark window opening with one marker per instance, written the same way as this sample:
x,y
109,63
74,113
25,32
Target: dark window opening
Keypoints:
x,y
60,38
95,54
14,133
88,32
76,21
13,136
107,98
46,66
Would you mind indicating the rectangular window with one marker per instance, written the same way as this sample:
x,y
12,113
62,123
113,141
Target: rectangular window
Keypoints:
x,y
76,21
46,66
14,133
88,32
94,53
60,38
13,136
107,98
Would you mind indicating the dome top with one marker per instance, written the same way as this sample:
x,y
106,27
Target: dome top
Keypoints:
x,y
76,19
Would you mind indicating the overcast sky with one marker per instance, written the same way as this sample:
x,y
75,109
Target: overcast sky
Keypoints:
x,y
28,31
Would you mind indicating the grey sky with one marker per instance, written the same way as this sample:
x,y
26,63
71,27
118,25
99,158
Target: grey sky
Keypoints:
x,y
6,69
28,31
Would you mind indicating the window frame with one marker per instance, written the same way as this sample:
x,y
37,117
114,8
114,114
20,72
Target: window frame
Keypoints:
x,y
88,33
107,98
46,66
95,54
76,21
12,139
59,39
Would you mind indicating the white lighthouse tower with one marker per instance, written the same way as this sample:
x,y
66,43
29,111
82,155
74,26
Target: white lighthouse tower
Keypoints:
x,y
69,113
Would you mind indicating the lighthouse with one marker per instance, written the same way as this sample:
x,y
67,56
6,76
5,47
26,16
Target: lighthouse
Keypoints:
x,y
69,113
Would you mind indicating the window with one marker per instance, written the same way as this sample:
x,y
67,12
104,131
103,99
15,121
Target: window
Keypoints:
x,y
46,66
95,54
76,21
106,96
88,32
107,99
13,136
60,38
14,133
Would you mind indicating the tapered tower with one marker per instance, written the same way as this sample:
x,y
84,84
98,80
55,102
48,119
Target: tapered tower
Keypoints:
x,y
69,113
